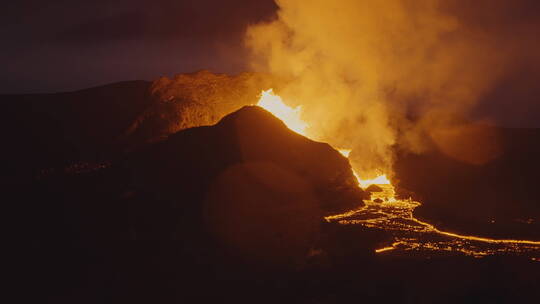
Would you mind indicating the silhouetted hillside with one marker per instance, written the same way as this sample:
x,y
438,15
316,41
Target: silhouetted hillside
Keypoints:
x,y
247,192
45,131
496,198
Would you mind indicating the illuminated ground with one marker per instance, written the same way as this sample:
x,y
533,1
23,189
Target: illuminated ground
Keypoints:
x,y
412,235
384,211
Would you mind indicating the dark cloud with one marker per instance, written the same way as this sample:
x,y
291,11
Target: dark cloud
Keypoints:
x,y
64,45
122,26
168,19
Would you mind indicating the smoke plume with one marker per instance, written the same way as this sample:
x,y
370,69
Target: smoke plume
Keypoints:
x,y
373,75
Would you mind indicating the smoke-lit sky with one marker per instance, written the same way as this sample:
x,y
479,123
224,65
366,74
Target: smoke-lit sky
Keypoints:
x,y
59,45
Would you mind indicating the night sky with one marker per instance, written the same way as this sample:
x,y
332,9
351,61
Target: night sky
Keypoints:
x,y
52,46
60,45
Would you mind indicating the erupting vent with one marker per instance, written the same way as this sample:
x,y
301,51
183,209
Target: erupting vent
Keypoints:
x,y
292,119
384,211
290,116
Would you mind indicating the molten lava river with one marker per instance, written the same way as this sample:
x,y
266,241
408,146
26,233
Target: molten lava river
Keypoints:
x,y
395,216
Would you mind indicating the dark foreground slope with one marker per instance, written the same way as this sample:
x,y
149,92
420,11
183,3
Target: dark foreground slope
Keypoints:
x,y
497,198
247,193
228,213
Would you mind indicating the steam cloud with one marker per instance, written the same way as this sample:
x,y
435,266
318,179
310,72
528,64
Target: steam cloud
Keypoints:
x,y
373,75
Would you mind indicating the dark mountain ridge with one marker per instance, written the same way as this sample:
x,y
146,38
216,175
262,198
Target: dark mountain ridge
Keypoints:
x,y
231,211
43,131
498,198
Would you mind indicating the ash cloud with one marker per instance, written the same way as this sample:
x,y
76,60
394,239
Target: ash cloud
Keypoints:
x,y
375,75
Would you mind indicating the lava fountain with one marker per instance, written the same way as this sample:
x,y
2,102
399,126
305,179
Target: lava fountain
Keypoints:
x,y
290,116
292,119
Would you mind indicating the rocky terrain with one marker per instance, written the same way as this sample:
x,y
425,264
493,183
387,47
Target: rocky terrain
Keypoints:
x,y
179,190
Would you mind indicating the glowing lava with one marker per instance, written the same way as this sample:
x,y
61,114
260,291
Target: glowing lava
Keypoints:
x,y
379,180
345,152
384,211
290,116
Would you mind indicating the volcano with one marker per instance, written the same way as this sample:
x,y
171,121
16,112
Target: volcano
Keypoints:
x,y
144,208
246,189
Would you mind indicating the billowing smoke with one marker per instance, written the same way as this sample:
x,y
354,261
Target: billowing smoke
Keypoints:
x,y
373,75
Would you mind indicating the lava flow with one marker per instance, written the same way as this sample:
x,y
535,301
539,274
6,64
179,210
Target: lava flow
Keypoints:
x,y
384,211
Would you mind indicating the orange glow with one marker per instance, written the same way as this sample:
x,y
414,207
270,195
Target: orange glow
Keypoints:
x,y
397,215
345,152
475,238
379,180
384,249
290,116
